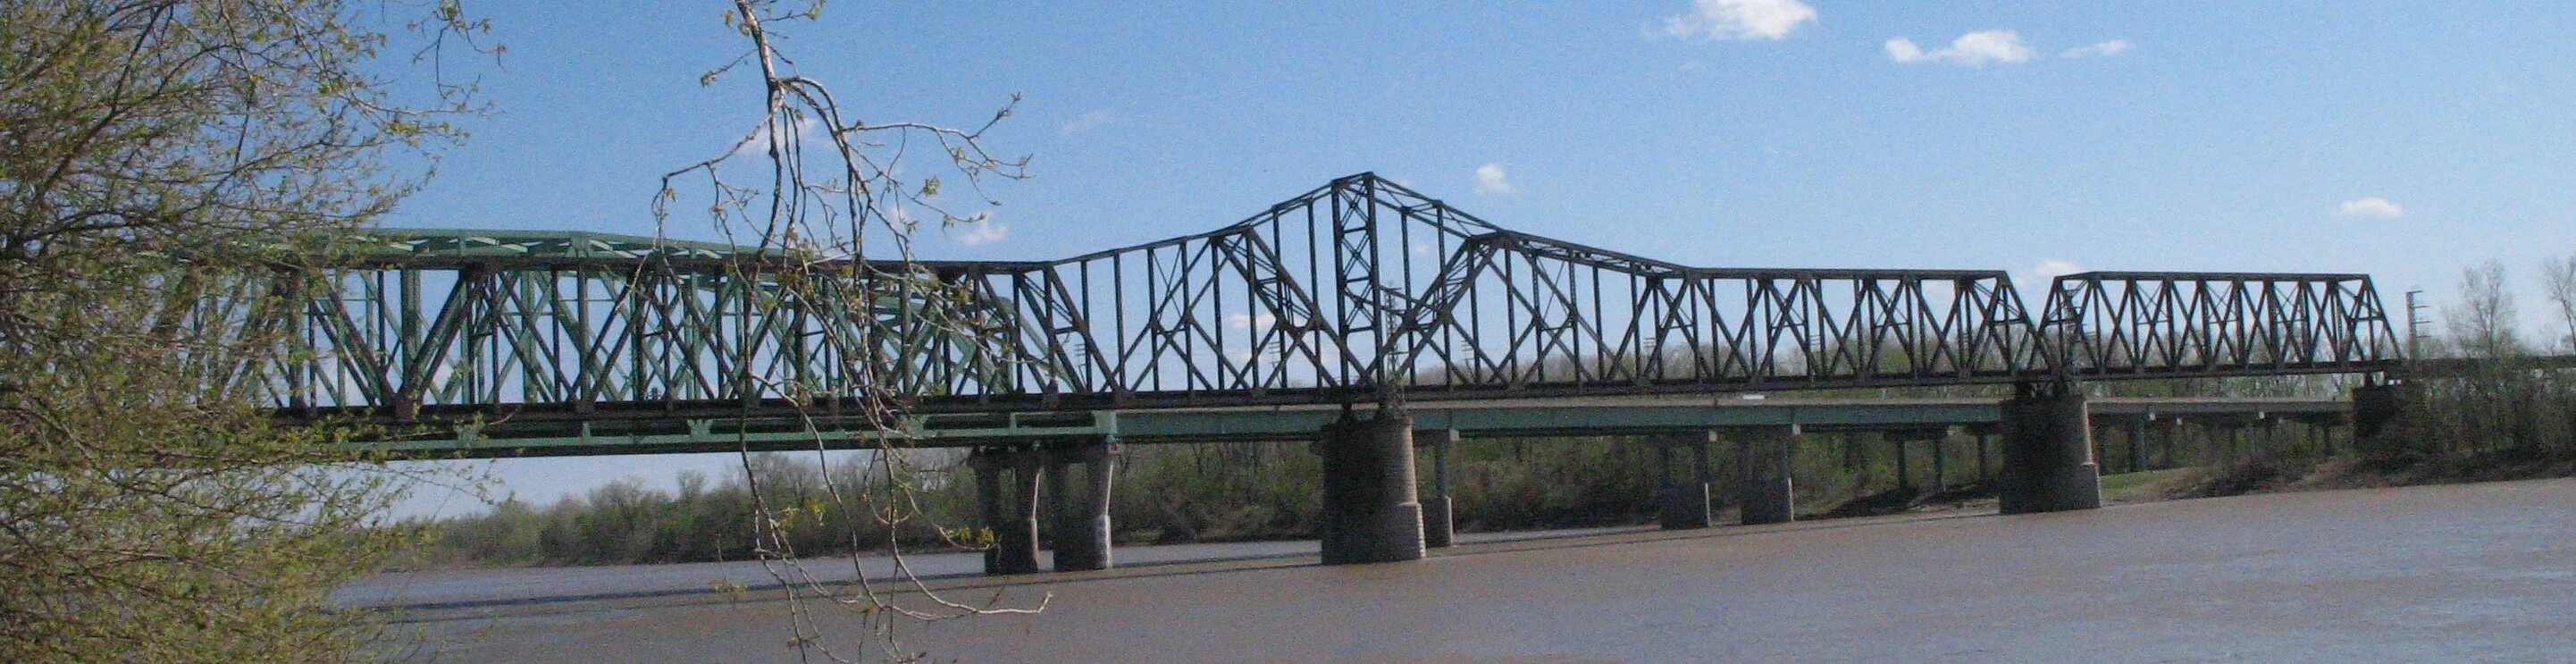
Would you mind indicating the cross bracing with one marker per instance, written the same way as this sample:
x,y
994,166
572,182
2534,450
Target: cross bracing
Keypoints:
x,y
1361,290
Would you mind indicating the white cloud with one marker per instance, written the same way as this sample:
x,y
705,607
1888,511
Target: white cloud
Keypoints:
x,y
1250,321
1740,19
1490,179
757,142
1088,122
2103,49
1974,49
2373,207
979,233
2051,268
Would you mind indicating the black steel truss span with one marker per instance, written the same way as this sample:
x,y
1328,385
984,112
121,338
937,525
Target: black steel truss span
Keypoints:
x,y
1359,290
2181,324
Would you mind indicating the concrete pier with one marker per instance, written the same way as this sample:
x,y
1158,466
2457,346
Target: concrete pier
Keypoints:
x,y
1006,491
2375,408
1763,455
1685,485
1439,525
2048,463
1371,512
1082,525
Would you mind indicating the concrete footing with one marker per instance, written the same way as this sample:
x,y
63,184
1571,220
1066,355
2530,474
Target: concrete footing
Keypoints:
x,y
1685,482
2048,463
1371,512
1439,525
1763,490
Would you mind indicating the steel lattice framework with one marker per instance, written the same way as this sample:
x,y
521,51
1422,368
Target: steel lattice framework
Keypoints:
x,y
2152,324
1356,291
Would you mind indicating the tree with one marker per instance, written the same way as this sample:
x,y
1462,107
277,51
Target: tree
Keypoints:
x,y
2560,273
165,166
828,195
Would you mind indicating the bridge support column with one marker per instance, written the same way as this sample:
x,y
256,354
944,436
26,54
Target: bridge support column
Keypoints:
x,y
1009,506
2138,443
1082,523
1762,454
1371,512
2048,452
1684,494
1439,526
2375,408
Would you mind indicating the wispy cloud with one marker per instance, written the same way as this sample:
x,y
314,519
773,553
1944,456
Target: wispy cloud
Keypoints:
x,y
2050,269
2370,208
1740,19
1250,321
758,141
1087,122
1490,179
1975,49
979,233
2099,49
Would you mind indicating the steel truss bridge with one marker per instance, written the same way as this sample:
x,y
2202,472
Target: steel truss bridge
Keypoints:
x,y
1358,291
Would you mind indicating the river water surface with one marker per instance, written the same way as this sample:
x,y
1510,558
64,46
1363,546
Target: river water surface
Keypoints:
x,y
2481,572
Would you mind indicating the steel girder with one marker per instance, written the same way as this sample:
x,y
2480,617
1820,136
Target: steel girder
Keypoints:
x,y
1359,290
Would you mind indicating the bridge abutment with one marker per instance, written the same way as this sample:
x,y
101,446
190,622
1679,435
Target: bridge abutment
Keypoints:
x,y
2048,463
1439,525
1762,459
1082,524
1006,491
1371,512
1684,490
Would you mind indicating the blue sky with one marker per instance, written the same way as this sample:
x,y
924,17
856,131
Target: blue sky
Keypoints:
x,y
2399,139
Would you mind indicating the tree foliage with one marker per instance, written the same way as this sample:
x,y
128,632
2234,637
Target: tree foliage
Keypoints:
x,y
163,166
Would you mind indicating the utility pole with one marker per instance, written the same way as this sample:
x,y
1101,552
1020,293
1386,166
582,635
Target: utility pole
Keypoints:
x,y
2414,326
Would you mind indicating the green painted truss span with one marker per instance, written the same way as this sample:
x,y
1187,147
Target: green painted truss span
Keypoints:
x,y
1356,292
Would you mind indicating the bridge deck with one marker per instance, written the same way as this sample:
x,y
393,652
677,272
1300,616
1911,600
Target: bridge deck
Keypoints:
x,y
1494,419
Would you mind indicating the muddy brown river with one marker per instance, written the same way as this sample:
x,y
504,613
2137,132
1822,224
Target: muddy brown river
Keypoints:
x,y
2471,573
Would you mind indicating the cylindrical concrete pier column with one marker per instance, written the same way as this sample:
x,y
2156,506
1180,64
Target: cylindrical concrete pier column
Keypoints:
x,y
1684,489
2048,452
989,510
1060,516
1082,534
1763,491
2137,444
1009,505
1371,512
1439,525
